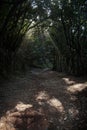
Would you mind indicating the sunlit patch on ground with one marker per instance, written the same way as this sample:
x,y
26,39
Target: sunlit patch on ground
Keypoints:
x,y
23,117
77,87
73,112
43,97
61,98
73,86
73,98
56,104
68,81
21,106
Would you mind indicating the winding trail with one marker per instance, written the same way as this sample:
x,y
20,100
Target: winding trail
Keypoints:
x,y
62,98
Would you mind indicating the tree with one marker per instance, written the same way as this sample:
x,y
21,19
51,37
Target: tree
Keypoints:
x,y
16,18
73,22
67,18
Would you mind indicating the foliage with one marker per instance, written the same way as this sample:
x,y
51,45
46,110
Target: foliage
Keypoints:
x,y
35,51
66,23
70,24
16,17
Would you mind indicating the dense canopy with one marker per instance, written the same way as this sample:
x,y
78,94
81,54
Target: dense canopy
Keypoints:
x,y
61,25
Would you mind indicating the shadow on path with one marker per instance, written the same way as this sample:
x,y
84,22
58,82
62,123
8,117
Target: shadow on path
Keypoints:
x,y
61,98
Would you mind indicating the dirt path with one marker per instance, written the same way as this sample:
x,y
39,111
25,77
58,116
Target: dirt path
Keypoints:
x,y
62,98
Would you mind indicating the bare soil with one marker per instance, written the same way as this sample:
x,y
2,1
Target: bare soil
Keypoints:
x,y
62,98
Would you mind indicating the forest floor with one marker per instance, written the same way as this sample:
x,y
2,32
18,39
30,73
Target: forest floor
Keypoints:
x,y
62,98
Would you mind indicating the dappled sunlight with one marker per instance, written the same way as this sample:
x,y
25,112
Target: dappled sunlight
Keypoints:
x,y
74,86
56,104
21,106
68,81
23,117
77,87
73,112
48,99
44,98
73,98
42,95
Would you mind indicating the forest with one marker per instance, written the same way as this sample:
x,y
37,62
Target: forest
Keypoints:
x,y
55,33
43,64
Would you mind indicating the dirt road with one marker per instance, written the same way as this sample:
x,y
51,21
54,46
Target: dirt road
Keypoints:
x,y
62,98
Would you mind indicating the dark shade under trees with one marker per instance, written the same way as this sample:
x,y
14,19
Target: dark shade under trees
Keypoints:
x,y
65,22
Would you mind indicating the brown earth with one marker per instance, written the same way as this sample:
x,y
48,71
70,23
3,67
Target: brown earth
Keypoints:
x,y
62,99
